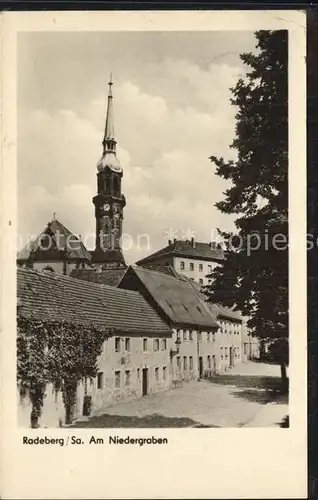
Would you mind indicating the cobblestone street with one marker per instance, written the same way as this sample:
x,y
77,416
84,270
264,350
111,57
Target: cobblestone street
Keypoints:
x,y
246,396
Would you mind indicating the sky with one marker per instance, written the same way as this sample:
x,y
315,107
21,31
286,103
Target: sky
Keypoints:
x,y
172,111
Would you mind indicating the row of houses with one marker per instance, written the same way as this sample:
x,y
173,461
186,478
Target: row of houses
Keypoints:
x,y
164,334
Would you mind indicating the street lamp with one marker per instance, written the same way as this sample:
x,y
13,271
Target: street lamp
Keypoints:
x,y
177,349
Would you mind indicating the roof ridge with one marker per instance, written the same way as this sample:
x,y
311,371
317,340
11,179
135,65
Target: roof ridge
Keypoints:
x,y
57,276
156,272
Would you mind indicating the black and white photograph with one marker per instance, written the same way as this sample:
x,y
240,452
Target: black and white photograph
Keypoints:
x,y
154,227
152,271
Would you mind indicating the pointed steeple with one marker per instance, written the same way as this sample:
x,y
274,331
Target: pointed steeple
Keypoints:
x,y
109,127
109,157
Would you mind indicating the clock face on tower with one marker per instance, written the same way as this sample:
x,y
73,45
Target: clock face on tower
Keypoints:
x,y
106,207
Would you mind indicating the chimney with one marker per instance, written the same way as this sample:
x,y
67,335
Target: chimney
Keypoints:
x,y
169,242
174,240
193,242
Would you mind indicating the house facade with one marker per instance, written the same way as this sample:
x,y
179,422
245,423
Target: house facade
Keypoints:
x,y
195,260
206,339
135,358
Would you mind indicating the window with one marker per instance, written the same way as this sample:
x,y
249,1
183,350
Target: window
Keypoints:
x,y
185,335
127,378
117,344
163,344
100,380
199,336
182,266
117,380
185,364
145,344
191,363
191,266
245,348
179,333
209,268
221,352
201,267
164,373
209,362
225,352
208,337
190,335
127,344
156,344
157,374
138,373
201,281
213,336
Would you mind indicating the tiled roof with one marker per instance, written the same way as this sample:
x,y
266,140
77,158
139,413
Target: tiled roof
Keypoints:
x,y
176,297
61,237
51,296
161,269
107,277
218,310
187,249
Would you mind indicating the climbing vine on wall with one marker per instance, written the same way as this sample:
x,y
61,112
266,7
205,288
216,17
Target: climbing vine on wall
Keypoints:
x,y
57,352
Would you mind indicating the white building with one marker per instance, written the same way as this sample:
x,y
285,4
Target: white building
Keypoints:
x,y
196,260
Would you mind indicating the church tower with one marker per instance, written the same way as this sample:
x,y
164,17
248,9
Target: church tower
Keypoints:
x,y
109,201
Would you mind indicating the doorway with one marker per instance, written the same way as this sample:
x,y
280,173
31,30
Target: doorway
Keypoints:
x,y
200,367
144,381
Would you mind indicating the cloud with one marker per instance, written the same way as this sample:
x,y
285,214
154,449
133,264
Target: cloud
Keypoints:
x,y
164,140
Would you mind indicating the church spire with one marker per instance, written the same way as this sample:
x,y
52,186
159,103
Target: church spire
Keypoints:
x,y
109,158
109,127
109,201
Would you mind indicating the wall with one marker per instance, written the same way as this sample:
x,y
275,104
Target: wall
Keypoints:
x,y
134,362
53,412
187,349
196,274
194,344
230,336
251,345
212,346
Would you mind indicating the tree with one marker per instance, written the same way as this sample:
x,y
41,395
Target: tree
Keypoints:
x,y
254,277
56,352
